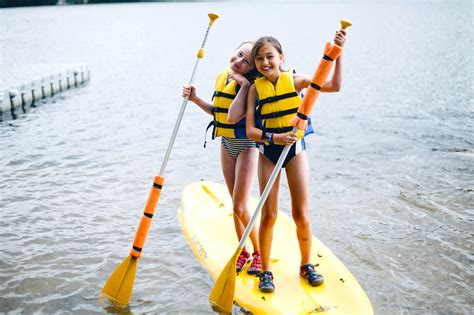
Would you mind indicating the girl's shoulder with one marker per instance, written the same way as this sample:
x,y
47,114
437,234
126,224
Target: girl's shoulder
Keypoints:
x,y
224,71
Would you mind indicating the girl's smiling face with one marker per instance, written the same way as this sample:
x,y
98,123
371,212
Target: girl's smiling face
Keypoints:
x,y
241,61
268,61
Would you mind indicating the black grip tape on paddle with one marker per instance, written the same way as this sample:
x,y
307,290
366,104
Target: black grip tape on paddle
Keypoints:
x,y
302,116
315,86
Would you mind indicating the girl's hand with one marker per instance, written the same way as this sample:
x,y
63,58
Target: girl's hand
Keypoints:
x,y
240,79
340,38
189,91
284,138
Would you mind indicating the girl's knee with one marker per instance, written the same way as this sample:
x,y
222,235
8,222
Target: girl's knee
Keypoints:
x,y
239,210
301,218
268,218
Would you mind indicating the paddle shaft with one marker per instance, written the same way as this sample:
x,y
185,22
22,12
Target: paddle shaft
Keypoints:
x,y
183,108
159,180
119,286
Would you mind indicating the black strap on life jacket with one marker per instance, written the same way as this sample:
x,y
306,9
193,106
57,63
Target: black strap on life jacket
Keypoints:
x,y
219,110
276,98
222,94
264,127
205,134
280,113
216,125
279,130
229,126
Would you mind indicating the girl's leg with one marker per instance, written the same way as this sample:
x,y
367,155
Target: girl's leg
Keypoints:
x,y
269,210
297,173
228,169
245,170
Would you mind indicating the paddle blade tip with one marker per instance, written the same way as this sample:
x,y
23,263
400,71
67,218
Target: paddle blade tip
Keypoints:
x,y
222,307
117,303
222,295
218,309
118,288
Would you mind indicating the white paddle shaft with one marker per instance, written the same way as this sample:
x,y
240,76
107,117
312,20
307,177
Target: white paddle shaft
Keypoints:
x,y
181,112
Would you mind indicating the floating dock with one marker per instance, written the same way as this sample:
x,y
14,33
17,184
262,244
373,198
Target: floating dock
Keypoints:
x,y
27,94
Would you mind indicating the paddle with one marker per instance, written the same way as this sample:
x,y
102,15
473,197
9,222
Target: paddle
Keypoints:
x,y
118,289
222,295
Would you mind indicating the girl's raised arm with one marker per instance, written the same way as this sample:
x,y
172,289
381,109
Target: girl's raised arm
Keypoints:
x,y
334,84
253,132
302,81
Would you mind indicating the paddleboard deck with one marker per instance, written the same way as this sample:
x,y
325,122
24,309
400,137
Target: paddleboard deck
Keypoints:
x,y
205,217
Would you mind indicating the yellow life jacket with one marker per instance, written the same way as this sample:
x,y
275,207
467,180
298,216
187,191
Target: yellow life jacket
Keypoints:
x,y
277,104
224,94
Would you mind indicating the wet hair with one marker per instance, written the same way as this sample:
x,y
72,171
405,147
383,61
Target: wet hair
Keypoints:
x,y
253,73
264,40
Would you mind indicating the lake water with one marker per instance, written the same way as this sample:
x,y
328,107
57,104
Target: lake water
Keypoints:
x,y
392,162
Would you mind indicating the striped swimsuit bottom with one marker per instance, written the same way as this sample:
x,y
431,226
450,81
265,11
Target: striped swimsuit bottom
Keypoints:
x,y
234,146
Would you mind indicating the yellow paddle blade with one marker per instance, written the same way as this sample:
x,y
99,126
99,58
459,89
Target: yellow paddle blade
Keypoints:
x,y
222,295
118,288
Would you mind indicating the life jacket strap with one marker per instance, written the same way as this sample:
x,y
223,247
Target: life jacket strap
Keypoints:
x,y
222,94
279,130
280,113
219,110
217,124
276,98
205,134
229,126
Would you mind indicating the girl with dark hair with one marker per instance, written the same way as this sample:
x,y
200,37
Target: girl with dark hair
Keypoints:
x,y
272,101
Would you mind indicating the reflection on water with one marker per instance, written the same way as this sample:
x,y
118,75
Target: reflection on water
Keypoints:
x,y
391,161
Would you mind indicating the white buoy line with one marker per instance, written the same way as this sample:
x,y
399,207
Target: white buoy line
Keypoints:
x,y
27,94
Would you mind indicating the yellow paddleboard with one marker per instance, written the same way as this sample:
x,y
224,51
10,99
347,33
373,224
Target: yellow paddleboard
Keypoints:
x,y
206,221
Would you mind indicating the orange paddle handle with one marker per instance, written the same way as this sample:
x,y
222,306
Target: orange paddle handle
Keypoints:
x,y
145,222
331,53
